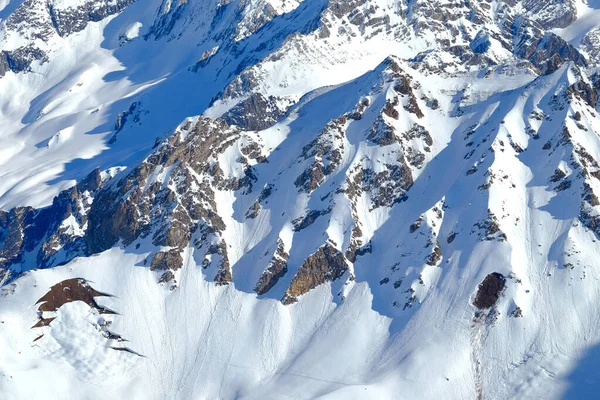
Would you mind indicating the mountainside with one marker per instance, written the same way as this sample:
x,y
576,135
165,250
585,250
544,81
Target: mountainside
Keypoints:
x,y
299,199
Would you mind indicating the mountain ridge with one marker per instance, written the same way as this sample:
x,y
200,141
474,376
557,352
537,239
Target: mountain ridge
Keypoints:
x,y
261,199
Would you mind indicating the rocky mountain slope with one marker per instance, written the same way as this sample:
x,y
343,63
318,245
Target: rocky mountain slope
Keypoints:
x,y
304,199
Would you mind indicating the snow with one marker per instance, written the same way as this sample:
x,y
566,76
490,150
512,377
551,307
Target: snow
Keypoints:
x,y
133,31
72,227
352,338
588,18
225,343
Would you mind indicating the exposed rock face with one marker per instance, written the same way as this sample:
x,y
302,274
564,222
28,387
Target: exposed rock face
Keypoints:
x,y
489,291
43,22
591,45
386,188
255,113
71,20
326,265
311,169
326,154
167,260
552,51
477,23
20,59
169,195
584,90
34,23
553,13
52,234
132,115
308,219
276,270
256,16
170,198
68,291
435,257
362,160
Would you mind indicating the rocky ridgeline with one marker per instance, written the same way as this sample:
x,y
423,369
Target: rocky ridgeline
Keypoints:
x,y
168,197
36,22
466,31
454,36
584,175
48,236
169,200
326,265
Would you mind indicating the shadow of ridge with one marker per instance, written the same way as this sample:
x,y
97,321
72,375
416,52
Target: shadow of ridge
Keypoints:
x,y
584,378
430,187
454,150
9,8
231,58
337,100
181,94
595,4
79,168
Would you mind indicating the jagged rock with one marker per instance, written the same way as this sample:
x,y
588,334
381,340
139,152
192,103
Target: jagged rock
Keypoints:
x,y
307,220
133,114
415,225
20,59
585,91
390,109
341,7
549,52
386,188
517,313
489,229
254,210
557,176
167,260
403,86
125,211
256,17
590,43
489,291
75,19
223,276
481,43
434,257
36,23
382,133
551,13
44,232
276,270
311,178
326,265
356,242
92,216
70,290
255,113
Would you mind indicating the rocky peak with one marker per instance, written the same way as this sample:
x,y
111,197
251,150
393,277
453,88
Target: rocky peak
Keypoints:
x,y
551,14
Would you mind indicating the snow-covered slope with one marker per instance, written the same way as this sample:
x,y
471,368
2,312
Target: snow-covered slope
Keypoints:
x,y
285,199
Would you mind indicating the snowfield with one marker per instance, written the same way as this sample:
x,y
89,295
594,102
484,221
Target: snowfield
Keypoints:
x,y
223,344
